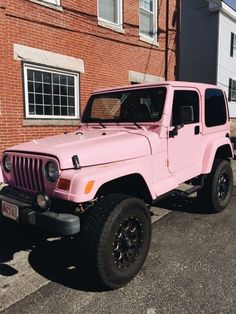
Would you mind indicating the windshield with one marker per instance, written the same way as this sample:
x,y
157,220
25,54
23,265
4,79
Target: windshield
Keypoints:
x,y
139,105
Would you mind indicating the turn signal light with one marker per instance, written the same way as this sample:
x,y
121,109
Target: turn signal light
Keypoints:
x,y
89,187
63,184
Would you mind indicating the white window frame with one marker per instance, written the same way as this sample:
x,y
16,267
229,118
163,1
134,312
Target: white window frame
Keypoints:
x,y
26,67
119,23
234,46
232,91
56,2
154,13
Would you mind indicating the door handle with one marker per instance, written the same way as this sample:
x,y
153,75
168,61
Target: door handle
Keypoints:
x,y
196,129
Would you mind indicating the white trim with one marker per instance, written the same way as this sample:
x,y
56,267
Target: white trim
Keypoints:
x,y
218,5
138,77
55,4
50,70
48,58
106,23
111,26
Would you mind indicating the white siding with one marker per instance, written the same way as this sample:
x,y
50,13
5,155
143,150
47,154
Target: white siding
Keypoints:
x,y
226,64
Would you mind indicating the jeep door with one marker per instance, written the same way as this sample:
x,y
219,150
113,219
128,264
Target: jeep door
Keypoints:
x,y
184,136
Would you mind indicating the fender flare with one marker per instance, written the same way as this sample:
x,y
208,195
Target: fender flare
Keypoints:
x,y
222,147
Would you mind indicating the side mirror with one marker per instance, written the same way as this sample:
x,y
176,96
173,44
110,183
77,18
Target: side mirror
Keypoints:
x,y
186,115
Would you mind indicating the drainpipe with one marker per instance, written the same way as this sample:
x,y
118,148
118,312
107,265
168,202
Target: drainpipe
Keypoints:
x,y
167,40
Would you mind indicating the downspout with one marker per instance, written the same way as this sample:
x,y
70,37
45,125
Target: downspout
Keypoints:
x,y
167,40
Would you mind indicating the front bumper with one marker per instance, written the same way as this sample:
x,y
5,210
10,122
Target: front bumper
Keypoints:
x,y
61,224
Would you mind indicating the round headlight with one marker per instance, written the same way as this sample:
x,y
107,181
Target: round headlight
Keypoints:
x,y
6,163
51,171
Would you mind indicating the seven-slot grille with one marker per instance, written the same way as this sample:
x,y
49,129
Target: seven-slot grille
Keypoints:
x,y
28,173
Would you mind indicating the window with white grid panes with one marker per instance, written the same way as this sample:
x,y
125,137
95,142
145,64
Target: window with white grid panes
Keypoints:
x,y
50,93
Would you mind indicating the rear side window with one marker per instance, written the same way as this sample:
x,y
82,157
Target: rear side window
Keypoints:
x,y
215,108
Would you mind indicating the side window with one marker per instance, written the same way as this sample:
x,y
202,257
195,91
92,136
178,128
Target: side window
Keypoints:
x,y
183,98
215,108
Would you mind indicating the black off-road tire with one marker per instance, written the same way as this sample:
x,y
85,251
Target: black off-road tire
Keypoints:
x,y
115,238
218,186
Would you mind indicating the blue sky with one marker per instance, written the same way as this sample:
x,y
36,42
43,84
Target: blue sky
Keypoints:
x,y
232,3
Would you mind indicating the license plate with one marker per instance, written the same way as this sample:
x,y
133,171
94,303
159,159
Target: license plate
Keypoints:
x,y
10,210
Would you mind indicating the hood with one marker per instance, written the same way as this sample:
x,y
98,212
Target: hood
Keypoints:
x,y
92,146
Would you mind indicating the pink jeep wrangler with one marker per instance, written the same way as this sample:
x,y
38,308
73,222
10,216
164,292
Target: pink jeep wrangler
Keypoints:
x,y
135,144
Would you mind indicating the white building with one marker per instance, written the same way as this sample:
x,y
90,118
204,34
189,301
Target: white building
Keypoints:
x,y
208,45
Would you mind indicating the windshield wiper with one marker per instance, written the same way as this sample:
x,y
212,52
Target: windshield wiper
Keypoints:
x,y
97,120
137,125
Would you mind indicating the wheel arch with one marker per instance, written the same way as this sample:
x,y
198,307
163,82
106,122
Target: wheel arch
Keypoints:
x,y
132,184
217,150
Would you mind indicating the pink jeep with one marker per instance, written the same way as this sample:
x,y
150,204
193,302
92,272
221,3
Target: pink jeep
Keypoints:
x,y
135,144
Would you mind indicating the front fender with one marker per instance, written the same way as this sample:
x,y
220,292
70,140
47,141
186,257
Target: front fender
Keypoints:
x,y
102,174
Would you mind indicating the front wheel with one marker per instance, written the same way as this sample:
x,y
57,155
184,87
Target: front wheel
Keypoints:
x,y
116,238
218,186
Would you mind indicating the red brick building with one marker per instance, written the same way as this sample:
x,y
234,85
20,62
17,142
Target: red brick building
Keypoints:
x,y
53,53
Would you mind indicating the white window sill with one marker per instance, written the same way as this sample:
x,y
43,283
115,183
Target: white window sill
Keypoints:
x,y
48,5
48,122
111,26
151,41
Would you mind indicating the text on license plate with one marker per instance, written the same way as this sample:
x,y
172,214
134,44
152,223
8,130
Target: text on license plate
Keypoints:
x,y
10,210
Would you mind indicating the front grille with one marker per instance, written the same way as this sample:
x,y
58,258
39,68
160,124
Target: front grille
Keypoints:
x,y
28,173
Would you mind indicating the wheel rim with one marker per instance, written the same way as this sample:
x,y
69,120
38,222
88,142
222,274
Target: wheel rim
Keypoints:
x,y
128,242
223,186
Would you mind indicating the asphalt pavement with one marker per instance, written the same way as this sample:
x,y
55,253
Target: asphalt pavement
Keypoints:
x,y
191,268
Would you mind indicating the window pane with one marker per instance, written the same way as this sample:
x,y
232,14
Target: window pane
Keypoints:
x,y
30,75
56,78
63,79
47,110
71,111
38,76
146,23
215,109
50,93
64,111
147,5
56,110
38,88
108,10
233,91
47,88
31,98
39,99
183,99
71,80
56,89
71,101
39,110
63,90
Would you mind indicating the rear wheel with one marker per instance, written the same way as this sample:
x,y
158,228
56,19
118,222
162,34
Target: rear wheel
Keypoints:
x,y
218,186
116,238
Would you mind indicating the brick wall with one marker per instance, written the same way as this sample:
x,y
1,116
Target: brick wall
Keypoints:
x,y
108,56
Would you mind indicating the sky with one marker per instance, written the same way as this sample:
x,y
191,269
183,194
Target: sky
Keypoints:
x,y
232,3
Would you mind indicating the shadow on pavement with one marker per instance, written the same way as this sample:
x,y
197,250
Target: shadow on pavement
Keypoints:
x,y
60,261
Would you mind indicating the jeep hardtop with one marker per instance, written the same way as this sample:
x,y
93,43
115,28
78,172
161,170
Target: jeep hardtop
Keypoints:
x,y
135,144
